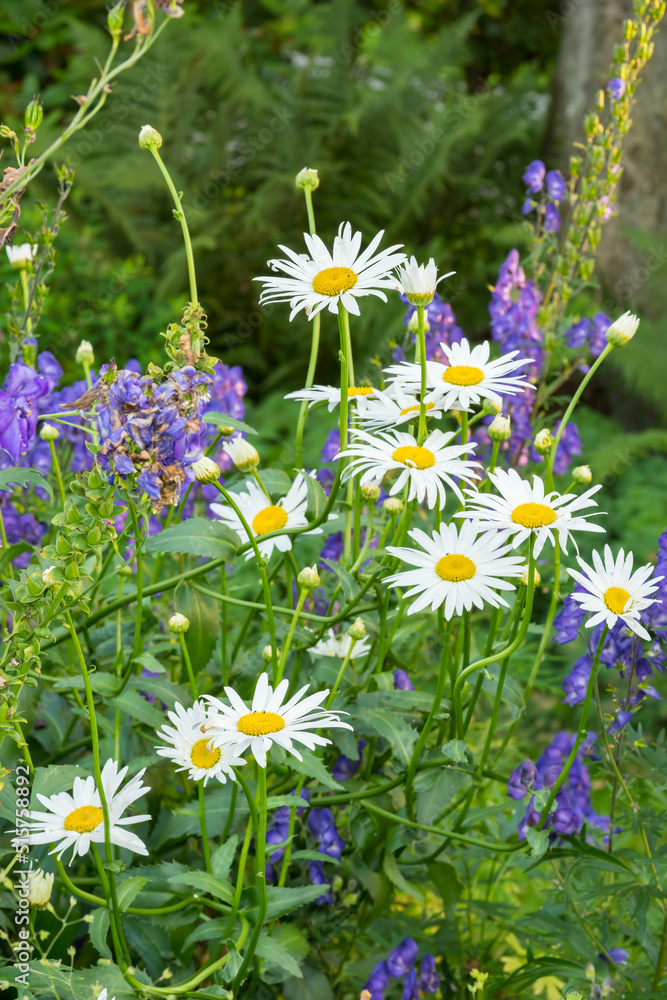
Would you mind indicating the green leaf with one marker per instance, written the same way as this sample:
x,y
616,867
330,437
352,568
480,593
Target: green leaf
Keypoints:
x,y
396,731
224,420
446,881
317,498
222,857
148,660
391,870
538,840
276,482
314,856
128,889
313,767
14,476
132,704
56,778
349,587
203,614
275,801
283,901
273,951
212,885
212,930
455,750
197,536
99,928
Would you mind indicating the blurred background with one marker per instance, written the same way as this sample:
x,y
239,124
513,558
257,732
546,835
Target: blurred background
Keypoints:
x,y
420,117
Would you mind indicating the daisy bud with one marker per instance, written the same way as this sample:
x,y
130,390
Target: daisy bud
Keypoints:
x,y
149,138
543,442
85,354
48,578
623,329
582,475
357,630
206,470
48,432
370,491
489,406
500,428
307,179
20,255
242,454
267,654
178,624
523,579
418,281
393,505
413,323
39,887
309,578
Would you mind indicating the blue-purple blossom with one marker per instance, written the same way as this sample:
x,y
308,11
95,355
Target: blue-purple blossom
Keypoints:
x,y
278,832
568,622
20,397
429,980
621,720
402,680
410,991
443,329
617,955
528,206
521,779
344,768
402,957
533,177
21,528
551,219
598,338
317,877
556,186
578,334
576,682
331,446
322,825
616,88
378,981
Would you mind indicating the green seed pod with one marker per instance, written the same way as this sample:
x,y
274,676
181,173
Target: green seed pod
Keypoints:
x,y
34,114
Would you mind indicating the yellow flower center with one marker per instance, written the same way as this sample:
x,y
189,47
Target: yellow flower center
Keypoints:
x,y
533,515
201,756
334,280
616,600
463,375
415,456
455,568
360,390
84,819
260,723
411,409
270,519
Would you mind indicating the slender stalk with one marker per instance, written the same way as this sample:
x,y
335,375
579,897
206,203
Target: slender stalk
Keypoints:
x,y
223,628
341,672
202,823
180,215
260,882
188,665
421,346
278,674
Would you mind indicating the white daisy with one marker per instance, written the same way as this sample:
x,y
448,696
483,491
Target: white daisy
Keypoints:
x,y
19,255
270,721
456,568
330,395
338,644
425,467
322,279
263,516
192,750
76,820
468,378
395,407
418,282
614,591
523,508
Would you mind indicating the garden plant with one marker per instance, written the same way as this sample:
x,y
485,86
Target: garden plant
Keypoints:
x,y
264,726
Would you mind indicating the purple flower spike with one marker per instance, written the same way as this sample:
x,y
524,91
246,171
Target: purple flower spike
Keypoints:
x,y
618,956
551,219
317,877
378,981
576,682
402,680
429,980
410,991
534,176
616,88
568,622
556,186
402,957
578,334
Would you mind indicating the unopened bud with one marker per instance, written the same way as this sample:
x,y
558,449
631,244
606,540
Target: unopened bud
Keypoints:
x,y
543,442
267,654
85,354
413,323
243,455
309,578
623,329
48,578
7,133
307,179
371,491
589,972
206,470
393,505
20,256
48,432
178,624
523,579
39,887
490,406
357,630
115,19
500,428
33,114
582,475
149,138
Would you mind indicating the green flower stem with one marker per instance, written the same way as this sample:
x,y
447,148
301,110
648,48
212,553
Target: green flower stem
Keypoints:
x,y
202,823
309,209
120,945
662,955
341,672
223,627
488,646
310,378
445,629
188,665
445,834
138,547
27,296
464,426
581,731
240,875
180,215
421,350
262,572
570,410
260,882
278,673
230,813
282,878
502,654
344,318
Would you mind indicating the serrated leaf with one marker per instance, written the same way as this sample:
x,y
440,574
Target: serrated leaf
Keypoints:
x,y
222,857
212,885
313,767
396,731
203,613
128,889
273,951
276,482
348,585
99,928
283,901
148,661
224,420
314,856
538,841
197,536
275,801
455,750
392,872
16,476
56,778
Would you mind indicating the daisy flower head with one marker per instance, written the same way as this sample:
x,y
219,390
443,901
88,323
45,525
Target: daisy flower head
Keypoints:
x,y
613,591
524,508
426,468
263,516
19,256
418,282
191,749
330,394
76,819
468,378
338,644
322,279
270,719
395,407
456,567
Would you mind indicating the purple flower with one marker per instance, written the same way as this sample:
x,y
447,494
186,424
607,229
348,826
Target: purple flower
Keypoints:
x,y
578,334
521,779
576,682
622,719
598,339
616,88
317,877
429,980
556,186
402,681
568,622
551,219
528,206
533,178
21,528
378,981
345,768
20,398
443,329
322,825
331,446
617,955
410,991
402,957
569,447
